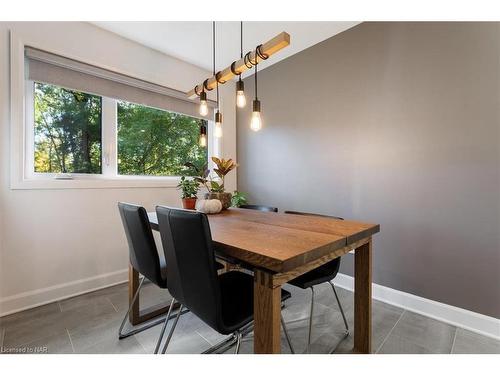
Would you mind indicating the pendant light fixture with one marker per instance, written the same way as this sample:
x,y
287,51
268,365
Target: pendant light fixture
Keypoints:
x,y
241,100
245,63
203,103
218,114
256,121
203,133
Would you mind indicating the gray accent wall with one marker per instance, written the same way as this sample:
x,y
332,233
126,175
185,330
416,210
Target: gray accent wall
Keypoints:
x,y
396,124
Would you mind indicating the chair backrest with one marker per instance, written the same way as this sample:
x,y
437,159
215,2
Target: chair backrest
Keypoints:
x,y
191,277
144,255
310,214
259,207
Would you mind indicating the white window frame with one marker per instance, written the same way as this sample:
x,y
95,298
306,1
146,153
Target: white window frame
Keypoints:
x,y
22,142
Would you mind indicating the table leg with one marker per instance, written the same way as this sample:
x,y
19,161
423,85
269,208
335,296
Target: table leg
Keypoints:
x,y
267,310
133,284
363,298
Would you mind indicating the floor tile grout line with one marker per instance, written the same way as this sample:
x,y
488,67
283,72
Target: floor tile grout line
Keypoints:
x,y
204,338
71,341
454,338
140,343
112,304
392,329
331,307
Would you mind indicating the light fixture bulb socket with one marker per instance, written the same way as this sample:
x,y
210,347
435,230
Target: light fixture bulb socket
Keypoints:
x,y
203,96
218,117
256,105
203,130
240,86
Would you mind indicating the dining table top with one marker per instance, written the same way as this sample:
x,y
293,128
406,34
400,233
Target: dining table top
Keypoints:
x,y
280,242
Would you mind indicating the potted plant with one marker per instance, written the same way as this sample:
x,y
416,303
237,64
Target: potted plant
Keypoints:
x,y
214,187
216,191
238,199
189,189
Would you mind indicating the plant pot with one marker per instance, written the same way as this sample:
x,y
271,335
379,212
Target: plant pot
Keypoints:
x,y
225,198
189,203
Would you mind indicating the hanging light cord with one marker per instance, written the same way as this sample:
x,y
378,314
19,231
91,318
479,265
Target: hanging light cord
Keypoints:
x,y
216,78
213,47
256,81
241,44
241,39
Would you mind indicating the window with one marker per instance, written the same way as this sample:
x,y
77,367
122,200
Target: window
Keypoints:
x,y
67,131
154,142
76,125
69,128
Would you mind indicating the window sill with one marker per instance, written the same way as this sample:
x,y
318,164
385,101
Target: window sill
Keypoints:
x,y
96,182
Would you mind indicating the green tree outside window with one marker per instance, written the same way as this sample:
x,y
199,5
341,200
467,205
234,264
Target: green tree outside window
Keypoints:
x,y
67,131
151,142
155,142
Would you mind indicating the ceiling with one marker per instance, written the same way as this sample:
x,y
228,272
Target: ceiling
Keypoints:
x,y
192,41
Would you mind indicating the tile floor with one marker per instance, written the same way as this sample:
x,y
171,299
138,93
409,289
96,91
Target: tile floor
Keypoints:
x,y
89,324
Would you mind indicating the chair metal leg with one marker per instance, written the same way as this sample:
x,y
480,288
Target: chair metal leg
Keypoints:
x,y
172,330
224,344
120,335
165,326
310,321
346,332
286,335
340,306
238,343
143,327
245,330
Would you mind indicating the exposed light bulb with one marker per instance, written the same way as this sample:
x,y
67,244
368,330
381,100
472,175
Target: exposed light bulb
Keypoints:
x,y
218,125
203,140
241,100
203,104
218,130
256,121
203,108
203,135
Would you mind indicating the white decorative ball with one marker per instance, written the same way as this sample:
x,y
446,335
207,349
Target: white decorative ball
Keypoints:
x,y
209,206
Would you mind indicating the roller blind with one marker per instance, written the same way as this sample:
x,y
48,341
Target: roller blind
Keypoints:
x,y
53,69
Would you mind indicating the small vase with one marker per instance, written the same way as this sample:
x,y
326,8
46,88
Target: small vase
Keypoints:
x,y
225,198
189,203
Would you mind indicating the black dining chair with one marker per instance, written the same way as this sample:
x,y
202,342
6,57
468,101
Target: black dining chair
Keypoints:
x,y
144,257
224,302
325,273
259,207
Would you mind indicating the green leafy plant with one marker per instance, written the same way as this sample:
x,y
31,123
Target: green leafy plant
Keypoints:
x,y
215,187
188,187
223,167
239,198
200,174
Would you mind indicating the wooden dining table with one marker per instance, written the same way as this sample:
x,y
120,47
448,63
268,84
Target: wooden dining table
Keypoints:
x,y
278,248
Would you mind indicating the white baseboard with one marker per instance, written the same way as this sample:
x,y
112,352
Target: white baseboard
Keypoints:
x,y
482,324
38,297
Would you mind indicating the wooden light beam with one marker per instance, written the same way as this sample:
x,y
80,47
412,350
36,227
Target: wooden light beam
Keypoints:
x,y
269,48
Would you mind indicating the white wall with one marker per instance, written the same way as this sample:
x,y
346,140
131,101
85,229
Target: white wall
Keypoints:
x,y
54,243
